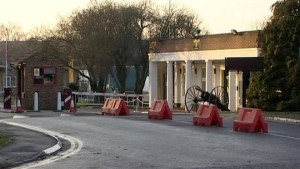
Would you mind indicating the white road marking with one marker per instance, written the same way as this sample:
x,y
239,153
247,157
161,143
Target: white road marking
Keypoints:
x,y
19,117
75,146
185,122
283,136
65,115
276,135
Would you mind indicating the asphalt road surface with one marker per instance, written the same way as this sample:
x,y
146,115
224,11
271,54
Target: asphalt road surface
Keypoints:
x,y
134,142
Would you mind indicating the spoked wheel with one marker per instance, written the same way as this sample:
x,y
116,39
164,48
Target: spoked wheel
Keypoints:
x,y
192,98
219,97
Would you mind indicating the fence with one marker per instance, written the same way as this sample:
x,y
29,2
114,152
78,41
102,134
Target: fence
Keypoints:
x,y
133,101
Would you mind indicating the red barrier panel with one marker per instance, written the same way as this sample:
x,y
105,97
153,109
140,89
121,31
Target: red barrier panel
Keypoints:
x,y
107,105
119,108
115,107
250,120
160,110
208,115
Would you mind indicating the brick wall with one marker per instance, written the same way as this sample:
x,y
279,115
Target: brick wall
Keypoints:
x,y
247,39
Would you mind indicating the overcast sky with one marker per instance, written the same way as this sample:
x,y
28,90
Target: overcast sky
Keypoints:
x,y
218,16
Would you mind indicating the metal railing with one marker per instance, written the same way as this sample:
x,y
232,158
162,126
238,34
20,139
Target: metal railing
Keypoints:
x,y
133,101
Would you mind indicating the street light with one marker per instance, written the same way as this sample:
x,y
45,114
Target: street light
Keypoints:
x,y
234,32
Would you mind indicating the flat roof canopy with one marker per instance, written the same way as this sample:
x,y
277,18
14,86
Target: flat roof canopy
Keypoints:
x,y
244,63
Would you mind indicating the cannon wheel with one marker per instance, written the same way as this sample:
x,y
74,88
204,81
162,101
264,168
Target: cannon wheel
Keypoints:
x,y
192,97
221,93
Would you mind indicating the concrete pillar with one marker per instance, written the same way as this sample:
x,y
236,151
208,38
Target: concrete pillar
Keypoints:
x,y
188,74
182,87
239,91
36,101
58,101
153,77
209,75
232,90
177,83
218,76
170,84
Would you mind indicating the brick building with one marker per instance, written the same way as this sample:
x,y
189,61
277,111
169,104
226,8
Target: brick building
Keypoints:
x,y
45,75
177,64
27,70
12,52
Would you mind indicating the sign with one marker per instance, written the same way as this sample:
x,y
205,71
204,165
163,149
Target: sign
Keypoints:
x,y
196,44
36,72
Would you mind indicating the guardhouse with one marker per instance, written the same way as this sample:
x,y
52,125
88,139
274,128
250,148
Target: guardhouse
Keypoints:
x,y
30,69
43,74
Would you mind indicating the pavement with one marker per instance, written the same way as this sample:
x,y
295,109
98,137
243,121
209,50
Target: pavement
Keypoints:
x,y
25,145
29,145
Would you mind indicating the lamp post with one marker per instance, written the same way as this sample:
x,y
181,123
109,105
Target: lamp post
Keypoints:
x,y
6,63
20,77
169,26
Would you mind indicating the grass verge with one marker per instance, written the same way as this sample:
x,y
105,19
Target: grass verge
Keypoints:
x,y
4,140
289,115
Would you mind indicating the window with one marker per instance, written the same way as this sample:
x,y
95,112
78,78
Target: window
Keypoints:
x,y
43,75
11,81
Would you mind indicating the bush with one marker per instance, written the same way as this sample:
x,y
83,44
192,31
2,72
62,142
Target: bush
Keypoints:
x,y
291,105
73,86
4,140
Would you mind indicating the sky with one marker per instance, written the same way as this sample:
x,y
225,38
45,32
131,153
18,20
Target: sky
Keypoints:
x,y
217,16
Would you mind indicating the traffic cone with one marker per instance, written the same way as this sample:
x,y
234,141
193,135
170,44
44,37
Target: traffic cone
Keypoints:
x,y
19,106
72,106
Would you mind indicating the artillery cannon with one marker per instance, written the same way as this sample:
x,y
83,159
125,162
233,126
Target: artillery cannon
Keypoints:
x,y
195,95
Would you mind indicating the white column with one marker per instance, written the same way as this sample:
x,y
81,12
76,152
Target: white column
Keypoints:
x,y
182,82
152,82
239,93
188,74
209,75
177,83
232,90
170,84
218,76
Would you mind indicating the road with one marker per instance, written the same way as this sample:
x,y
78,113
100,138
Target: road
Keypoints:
x,y
134,142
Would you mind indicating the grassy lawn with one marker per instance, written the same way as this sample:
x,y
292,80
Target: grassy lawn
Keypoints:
x,y
4,140
290,115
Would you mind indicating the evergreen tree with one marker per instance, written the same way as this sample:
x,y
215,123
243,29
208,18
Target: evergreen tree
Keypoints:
x,y
279,83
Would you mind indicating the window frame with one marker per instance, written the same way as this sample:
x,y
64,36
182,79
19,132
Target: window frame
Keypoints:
x,y
9,81
40,77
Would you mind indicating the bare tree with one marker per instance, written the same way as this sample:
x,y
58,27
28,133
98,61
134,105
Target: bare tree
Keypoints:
x,y
175,23
106,37
131,46
85,37
11,32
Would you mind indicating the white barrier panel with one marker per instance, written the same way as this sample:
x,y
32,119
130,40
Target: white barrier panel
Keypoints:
x,y
132,100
